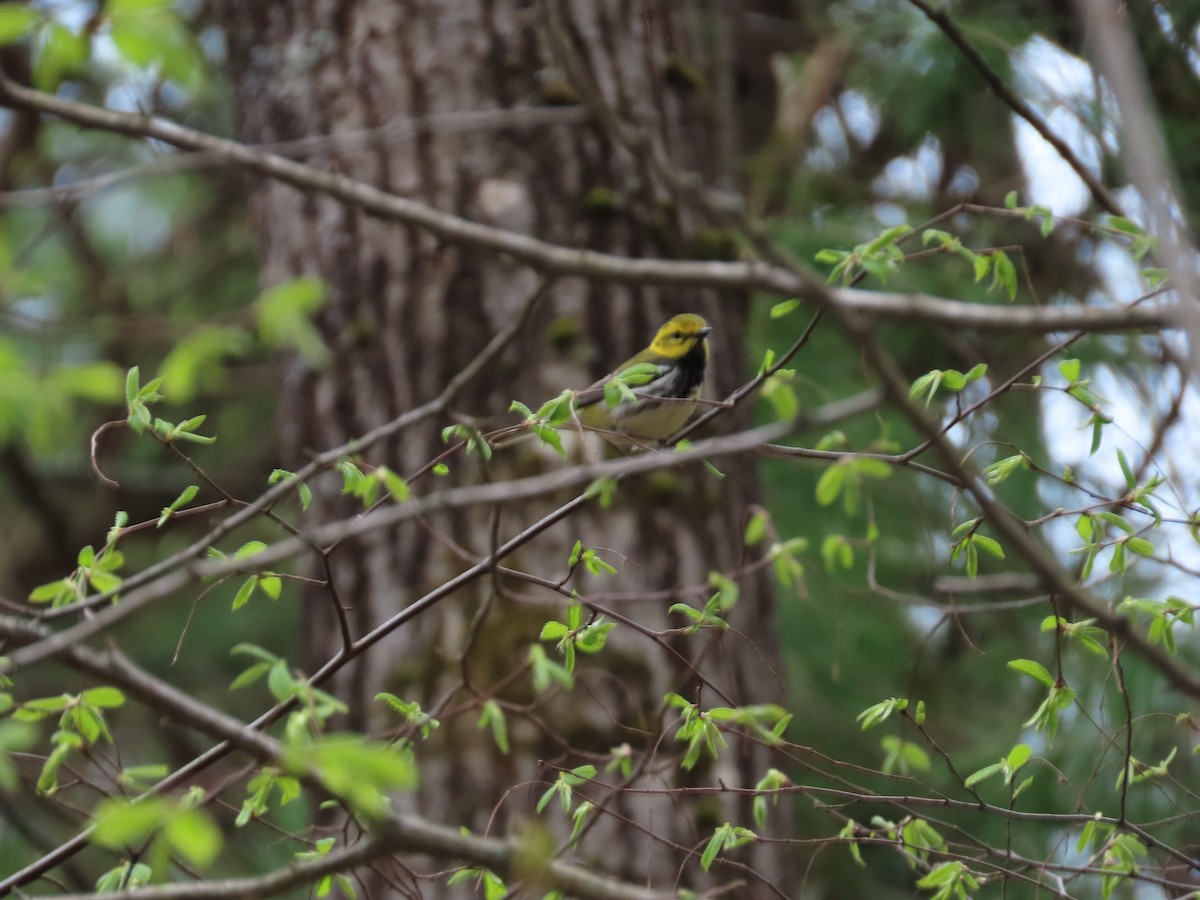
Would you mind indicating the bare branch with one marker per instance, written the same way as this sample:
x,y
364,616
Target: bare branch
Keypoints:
x,y
566,261
1018,105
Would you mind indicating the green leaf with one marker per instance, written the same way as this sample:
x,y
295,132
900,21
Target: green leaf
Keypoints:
x,y
1033,669
756,529
250,675
983,774
120,824
396,486
194,836
492,715
551,438
874,715
829,485
557,410
1069,369
928,385
245,591
133,775
102,581
104,697
1004,275
989,545
16,21
1140,546
48,704
284,318
1018,756
127,7
593,638
250,548
779,310
953,380
60,53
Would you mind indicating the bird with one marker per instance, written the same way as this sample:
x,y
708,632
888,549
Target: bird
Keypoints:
x,y
650,396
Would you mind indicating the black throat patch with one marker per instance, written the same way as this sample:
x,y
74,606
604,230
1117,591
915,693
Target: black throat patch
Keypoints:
x,y
691,371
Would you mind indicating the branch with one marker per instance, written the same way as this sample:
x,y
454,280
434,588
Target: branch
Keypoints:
x,y
394,832
555,259
402,833
1144,149
1098,191
456,498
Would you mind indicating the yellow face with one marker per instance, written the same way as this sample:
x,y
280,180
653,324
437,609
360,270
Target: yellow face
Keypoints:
x,y
678,336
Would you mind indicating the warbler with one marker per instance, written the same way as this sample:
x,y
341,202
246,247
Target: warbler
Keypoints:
x,y
652,395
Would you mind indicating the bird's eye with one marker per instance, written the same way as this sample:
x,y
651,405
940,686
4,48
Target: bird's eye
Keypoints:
x,y
677,335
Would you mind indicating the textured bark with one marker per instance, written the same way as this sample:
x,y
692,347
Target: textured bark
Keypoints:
x,y
406,312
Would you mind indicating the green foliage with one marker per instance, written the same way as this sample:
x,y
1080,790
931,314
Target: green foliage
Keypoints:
x,y
564,785
1008,766
96,570
574,635
185,497
474,439
1082,633
846,478
411,712
1032,212
701,729
590,561
81,723
16,21
949,880
772,782
268,783
726,837
714,611
779,310
903,757
127,876
138,398
15,737
328,882
303,491
930,383
1163,616
1059,697
544,422
491,883
970,542
359,773
786,562
491,715
176,828
284,315
880,712
603,488
546,672
37,406
879,257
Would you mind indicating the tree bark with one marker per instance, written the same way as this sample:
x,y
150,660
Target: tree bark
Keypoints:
x,y
406,312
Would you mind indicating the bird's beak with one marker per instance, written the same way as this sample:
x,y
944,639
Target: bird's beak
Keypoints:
x,y
704,332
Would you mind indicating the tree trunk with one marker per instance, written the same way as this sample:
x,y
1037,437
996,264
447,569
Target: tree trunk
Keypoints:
x,y
388,84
